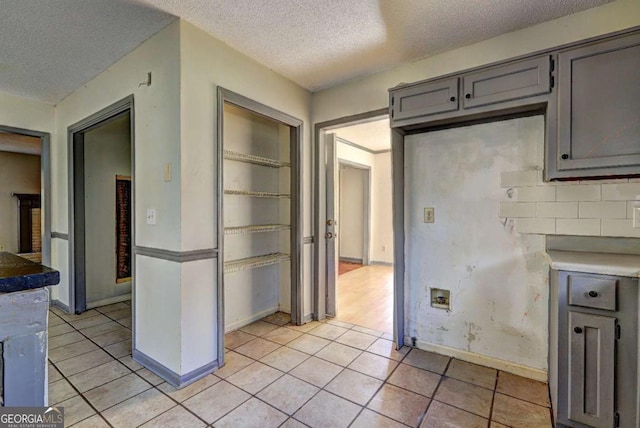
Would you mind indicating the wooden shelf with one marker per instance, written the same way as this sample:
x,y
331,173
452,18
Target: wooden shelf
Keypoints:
x,y
256,160
257,194
255,228
255,262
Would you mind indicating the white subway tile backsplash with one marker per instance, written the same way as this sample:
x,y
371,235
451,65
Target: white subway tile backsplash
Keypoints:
x,y
557,210
615,227
581,192
589,227
602,210
620,192
536,193
630,206
517,209
518,178
544,226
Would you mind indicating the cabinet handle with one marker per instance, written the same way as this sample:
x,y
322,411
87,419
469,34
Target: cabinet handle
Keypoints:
x,y
452,99
564,156
593,293
467,96
577,330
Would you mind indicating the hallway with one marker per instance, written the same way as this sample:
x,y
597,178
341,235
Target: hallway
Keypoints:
x,y
365,297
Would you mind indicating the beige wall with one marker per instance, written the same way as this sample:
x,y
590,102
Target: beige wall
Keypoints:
x,y
19,173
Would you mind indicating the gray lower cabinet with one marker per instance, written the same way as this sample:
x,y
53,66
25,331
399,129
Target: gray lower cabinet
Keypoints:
x,y
595,371
598,110
508,82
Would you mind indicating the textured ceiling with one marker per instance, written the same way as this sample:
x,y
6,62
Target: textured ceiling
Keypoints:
x,y
50,48
319,43
375,135
19,144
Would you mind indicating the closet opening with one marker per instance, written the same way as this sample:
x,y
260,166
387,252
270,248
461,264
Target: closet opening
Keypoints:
x,y
259,201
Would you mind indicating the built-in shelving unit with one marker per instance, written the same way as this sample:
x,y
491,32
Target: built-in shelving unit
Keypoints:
x,y
256,160
255,262
255,228
260,242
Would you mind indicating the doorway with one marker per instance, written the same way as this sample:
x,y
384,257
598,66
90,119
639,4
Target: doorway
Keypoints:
x,y
25,183
359,230
102,201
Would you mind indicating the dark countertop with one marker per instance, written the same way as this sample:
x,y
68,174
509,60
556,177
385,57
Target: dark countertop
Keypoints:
x,y
19,274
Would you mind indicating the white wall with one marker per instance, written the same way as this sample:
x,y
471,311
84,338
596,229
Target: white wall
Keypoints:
x,y
207,63
352,212
25,113
19,173
497,277
107,154
158,288
382,214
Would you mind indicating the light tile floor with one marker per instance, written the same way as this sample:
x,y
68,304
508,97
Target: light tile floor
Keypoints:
x,y
322,374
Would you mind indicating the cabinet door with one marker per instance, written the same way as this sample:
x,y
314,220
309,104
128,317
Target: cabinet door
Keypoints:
x,y
591,369
424,100
508,82
599,109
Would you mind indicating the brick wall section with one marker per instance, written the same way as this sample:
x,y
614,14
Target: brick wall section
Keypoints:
x,y
590,208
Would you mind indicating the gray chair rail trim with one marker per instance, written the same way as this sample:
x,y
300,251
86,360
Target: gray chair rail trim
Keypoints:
x,y
177,256
60,235
173,378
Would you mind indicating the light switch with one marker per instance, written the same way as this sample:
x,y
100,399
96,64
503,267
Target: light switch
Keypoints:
x,y
151,216
636,217
167,171
429,215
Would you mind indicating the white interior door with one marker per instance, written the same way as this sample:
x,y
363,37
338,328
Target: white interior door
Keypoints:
x,y
331,227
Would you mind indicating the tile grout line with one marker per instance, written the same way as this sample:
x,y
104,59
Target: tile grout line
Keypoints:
x,y
132,372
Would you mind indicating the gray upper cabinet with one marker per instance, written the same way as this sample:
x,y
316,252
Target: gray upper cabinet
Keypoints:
x,y
424,100
598,110
507,82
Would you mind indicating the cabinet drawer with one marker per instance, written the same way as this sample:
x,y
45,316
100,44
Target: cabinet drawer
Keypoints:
x,y
425,99
592,291
509,82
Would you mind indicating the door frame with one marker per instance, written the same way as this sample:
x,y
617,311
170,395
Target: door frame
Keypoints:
x,y
319,214
45,184
332,286
296,241
366,213
75,152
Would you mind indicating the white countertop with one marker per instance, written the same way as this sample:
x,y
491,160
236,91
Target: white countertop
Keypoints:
x,y
600,263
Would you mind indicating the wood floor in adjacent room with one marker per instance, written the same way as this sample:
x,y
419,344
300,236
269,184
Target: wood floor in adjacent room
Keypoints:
x,y
365,297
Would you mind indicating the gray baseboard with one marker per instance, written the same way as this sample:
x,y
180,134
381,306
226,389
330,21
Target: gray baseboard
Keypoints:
x,y
379,263
173,378
350,260
58,304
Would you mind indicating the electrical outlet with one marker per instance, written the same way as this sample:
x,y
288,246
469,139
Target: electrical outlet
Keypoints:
x,y
384,248
441,298
429,215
